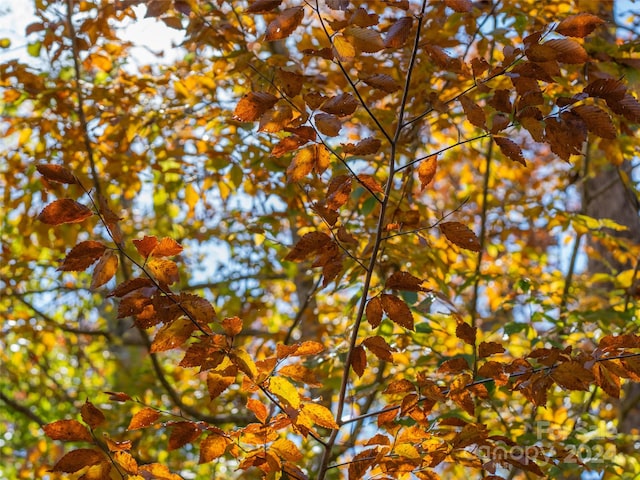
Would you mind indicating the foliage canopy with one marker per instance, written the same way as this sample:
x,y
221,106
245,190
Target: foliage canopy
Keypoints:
x,y
323,239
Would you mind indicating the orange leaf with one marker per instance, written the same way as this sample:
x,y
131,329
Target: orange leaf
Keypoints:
x,y
374,311
253,105
105,269
320,415
165,271
212,447
118,446
328,124
232,326
398,34
496,371
118,396
371,182
340,105
308,348
466,333
300,374
405,281
397,310
460,6
67,431
486,349
78,459
172,335
343,48
283,389
579,25
289,82
287,450
56,173
167,247
366,146
301,165
567,50
287,144
144,418
379,347
455,365
199,308
364,39
182,433
284,24
460,235
474,113
91,415
216,384
381,81
145,245
259,409
64,210
427,170
572,376
359,360
338,191
310,244
82,256
607,380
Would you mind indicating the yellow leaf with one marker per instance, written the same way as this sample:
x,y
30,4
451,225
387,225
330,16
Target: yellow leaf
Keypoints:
x,y
105,269
320,415
343,48
284,390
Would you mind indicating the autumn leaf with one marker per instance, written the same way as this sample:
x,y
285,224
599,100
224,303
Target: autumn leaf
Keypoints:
x,y
366,146
105,269
91,415
460,235
144,418
165,271
340,105
172,335
301,165
56,173
486,349
359,360
510,149
466,333
212,447
263,6
474,113
232,326
579,25
310,244
82,256
284,24
64,210
427,170
597,121
258,408
253,105
379,347
397,310
285,391
167,247
182,433
328,124
78,459
572,376
320,415
217,383
405,281
382,82
398,34
343,48
67,431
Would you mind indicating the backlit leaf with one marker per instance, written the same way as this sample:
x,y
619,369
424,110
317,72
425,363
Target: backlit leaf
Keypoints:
x,y
56,173
167,247
216,383
212,447
399,32
310,244
379,347
67,431
405,281
145,245
259,409
232,326
284,24
397,310
572,376
143,418
78,459
301,165
91,415
427,170
343,48
597,120
374,311
460,235
359,360
579,25
365,40
253,105
82,256
366,146
172,335
284,390
568,50
320,415
165,271
182,433
105,269
64,210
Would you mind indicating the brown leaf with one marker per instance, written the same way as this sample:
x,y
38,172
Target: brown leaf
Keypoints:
x,y
427,170
629,107
381,81
263,6
460,235
397,310
56,173
572,376
310,244
607,88
78,459
105,269
466,333
289,82
379,347
338,191
579,25
606,379
461,6
286,145
172,335
366,146
374,311
284,24
370,182
340,105
253,105
328,124
337,4
82,256
143,418
510,149
165,271
568,51
167,247
232,326
64,210
405,281
455,365
91,415
474,113
398,33
212,447
597,120
486,349
182,433
496,371
130,286
365,40
359,360
118,396
67,431
565,135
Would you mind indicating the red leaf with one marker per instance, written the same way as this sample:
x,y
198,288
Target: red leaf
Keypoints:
x,y
64,211
56,173
82,256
